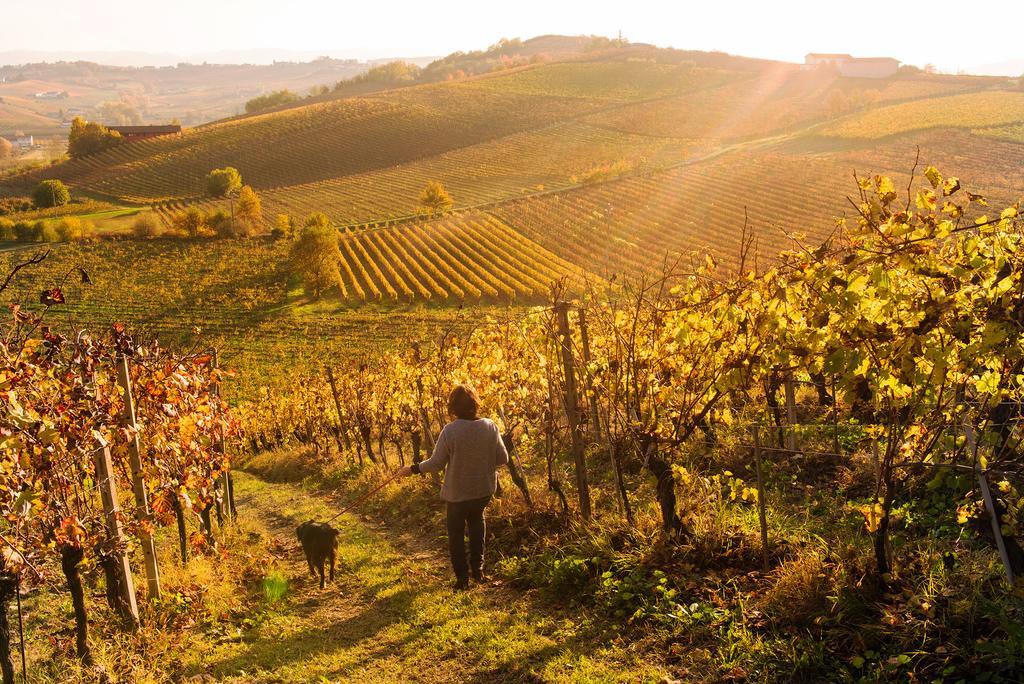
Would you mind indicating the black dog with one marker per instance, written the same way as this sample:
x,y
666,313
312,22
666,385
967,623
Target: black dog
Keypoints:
x,y
320,543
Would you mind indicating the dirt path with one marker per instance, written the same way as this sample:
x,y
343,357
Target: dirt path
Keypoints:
x,y
390,616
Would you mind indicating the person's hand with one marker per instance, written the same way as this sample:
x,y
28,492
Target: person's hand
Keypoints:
x,y
404,471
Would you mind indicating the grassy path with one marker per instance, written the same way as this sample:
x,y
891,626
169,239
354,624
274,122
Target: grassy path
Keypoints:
x,y
390,616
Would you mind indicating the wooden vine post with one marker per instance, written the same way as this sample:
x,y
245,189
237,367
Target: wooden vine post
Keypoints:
x,y
572,409
762,517
986,493
142,511
337,408
227,482
127,605
424,417
835,419
595,418
8,590
790,387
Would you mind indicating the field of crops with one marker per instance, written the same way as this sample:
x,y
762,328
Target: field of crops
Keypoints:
x,y
363,134
775,99
633,225
555,157
985,164
315,142
972,110
465,256
236,293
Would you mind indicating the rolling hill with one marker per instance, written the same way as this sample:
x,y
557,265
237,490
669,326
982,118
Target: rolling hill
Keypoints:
x,y
357,135
611,161
607,163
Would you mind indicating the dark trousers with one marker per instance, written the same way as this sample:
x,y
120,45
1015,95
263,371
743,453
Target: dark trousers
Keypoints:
x,y
463,515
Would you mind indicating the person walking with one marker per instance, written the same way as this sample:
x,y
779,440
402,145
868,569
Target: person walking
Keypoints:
x,y
471,449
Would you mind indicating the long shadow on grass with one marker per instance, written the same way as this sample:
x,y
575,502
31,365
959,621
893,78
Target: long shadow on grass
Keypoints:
x,y
309,646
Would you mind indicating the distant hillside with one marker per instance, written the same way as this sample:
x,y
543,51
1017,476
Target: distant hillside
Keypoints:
x,y
191,93
335,139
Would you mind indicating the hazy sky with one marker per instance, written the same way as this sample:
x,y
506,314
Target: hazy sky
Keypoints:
x,y
950,34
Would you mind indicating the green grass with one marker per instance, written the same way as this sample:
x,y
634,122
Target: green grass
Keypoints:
x,y
390,616
275,586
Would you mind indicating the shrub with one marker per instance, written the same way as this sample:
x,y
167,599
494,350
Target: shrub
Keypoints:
x,y
23,231
6,230
51,193
73,228
13,205
44,232
226,227
191,222
147,226
284,227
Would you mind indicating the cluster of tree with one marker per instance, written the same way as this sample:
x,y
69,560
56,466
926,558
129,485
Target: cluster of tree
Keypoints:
x,y
6,149
90,137
66,229
598,43
398,72
278,98
196,223
502,55
120,113
242,219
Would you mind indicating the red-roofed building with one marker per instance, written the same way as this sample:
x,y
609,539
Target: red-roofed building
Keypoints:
x,y
143,132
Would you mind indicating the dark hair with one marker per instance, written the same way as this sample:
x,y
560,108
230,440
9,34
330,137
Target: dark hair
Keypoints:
x,y
463,402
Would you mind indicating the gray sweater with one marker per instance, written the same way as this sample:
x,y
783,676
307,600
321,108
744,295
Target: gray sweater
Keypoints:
x,y
472,450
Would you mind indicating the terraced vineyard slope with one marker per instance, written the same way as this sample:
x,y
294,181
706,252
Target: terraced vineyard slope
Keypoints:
x,y
466,256
995,109
361,134
555,157
635,225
